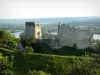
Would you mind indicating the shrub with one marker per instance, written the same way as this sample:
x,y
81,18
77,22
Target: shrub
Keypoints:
x,y
0,55
34,72
28,42
28,49
8,41
88,66
6,66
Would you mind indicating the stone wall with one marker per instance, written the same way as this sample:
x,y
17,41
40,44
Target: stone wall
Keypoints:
x,y
29,29
32,30
68,36
38,34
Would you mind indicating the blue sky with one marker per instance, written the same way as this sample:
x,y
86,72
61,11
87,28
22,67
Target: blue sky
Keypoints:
x,y
48,8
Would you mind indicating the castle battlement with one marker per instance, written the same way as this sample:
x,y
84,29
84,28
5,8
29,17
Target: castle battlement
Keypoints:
x,y
69,35
72,29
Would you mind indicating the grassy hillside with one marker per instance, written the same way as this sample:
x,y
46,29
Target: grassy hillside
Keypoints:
x,y
52,64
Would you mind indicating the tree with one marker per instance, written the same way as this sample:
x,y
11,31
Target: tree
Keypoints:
x,y
7,40
28,49
45,33
6,65
87,66
28,42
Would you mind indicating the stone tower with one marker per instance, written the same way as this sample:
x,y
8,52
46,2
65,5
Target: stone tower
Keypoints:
x,y
32,30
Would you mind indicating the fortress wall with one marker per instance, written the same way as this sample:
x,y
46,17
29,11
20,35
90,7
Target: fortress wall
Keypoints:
x,y
29,31
38,34
69,36
83,44
32,30
66,35
67,31
84,35
67,41
59,32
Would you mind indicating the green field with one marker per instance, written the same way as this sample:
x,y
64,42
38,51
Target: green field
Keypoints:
x,y
50,64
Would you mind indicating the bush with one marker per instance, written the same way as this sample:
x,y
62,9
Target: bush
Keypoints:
x,y
8,41
34,72
42,48
28,42
0,55
6,66
86,67
28,49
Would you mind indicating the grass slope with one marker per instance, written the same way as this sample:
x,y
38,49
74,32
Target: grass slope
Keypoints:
x,y
53,64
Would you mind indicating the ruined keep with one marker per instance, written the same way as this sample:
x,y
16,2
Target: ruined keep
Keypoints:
x,y
70,36
32,30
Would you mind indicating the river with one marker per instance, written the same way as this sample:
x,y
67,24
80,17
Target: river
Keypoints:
x,y
17,35
96,36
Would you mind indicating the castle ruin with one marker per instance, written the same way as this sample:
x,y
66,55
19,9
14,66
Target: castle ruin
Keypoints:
x,y
66,36
32,30
69,36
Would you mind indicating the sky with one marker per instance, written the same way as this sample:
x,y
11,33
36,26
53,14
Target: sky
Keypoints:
x,y
48,8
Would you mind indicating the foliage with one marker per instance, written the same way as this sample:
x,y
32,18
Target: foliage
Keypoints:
x,y
0,55
54,64
34,72
75,46
46,49
13,45
96,45
28,42
7,51
87,67
8,41
66,50
6,65
44,33
42,48
28,49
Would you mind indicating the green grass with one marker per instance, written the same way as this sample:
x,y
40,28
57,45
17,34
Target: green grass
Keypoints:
x,y
53,64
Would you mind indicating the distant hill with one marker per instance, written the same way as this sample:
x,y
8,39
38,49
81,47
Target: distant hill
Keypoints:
x,y
89,22
70,20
